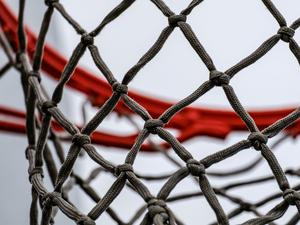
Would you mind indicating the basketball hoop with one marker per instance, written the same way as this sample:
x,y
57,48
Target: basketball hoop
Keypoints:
x,y
29,55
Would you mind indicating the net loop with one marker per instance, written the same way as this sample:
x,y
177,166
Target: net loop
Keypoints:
x,y
81,139
257,139
36,170
50,2
195,167
291,196
85,220
175,19
123,168
120,88
48,105
219,78
35,74
157,206
286,33
87,39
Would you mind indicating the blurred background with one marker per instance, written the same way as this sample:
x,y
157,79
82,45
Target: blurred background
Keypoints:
x,y
229,30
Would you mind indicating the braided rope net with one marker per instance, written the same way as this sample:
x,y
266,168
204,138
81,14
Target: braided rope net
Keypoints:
x,y
44,120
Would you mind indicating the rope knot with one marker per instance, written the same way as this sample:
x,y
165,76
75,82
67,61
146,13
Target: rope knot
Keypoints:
x,y
257,139
286,33
120,88
50,2
195,167
123,168
87,39
49,197
152,124
36,170
35,74
85,220
81,139
290,196
246,206
48,105
219,78
156,206
175,19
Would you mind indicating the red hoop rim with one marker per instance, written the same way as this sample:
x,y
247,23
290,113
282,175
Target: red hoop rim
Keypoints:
x,y
190,122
